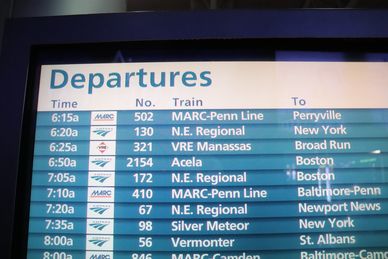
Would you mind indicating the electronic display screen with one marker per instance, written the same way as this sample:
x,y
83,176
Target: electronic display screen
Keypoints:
x,y
211,159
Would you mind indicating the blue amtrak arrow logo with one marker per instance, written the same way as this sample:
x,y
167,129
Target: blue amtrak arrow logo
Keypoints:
x,y
102,133
100,163
100,178
98,226
98,242
99,210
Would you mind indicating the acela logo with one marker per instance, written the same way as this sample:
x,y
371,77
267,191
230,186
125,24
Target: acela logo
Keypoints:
x,y
98,226
98,242
104,117
100,178
102,147
99,210
102,132
100,163
99,256
101,194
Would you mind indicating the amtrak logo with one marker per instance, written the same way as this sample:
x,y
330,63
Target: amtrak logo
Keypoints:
x,y
100,163
102,132
100,178
99,210
98,226
98,242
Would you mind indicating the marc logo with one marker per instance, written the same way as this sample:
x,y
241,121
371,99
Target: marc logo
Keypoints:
x,y
102,193
104,117
100,256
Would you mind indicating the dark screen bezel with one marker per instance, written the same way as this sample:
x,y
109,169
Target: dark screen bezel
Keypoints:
x,y
354,50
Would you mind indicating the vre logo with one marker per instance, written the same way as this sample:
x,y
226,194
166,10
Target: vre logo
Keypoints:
x,y
102,147
99,210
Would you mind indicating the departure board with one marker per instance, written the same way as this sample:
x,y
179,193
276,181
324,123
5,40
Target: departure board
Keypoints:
x,y
218,160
